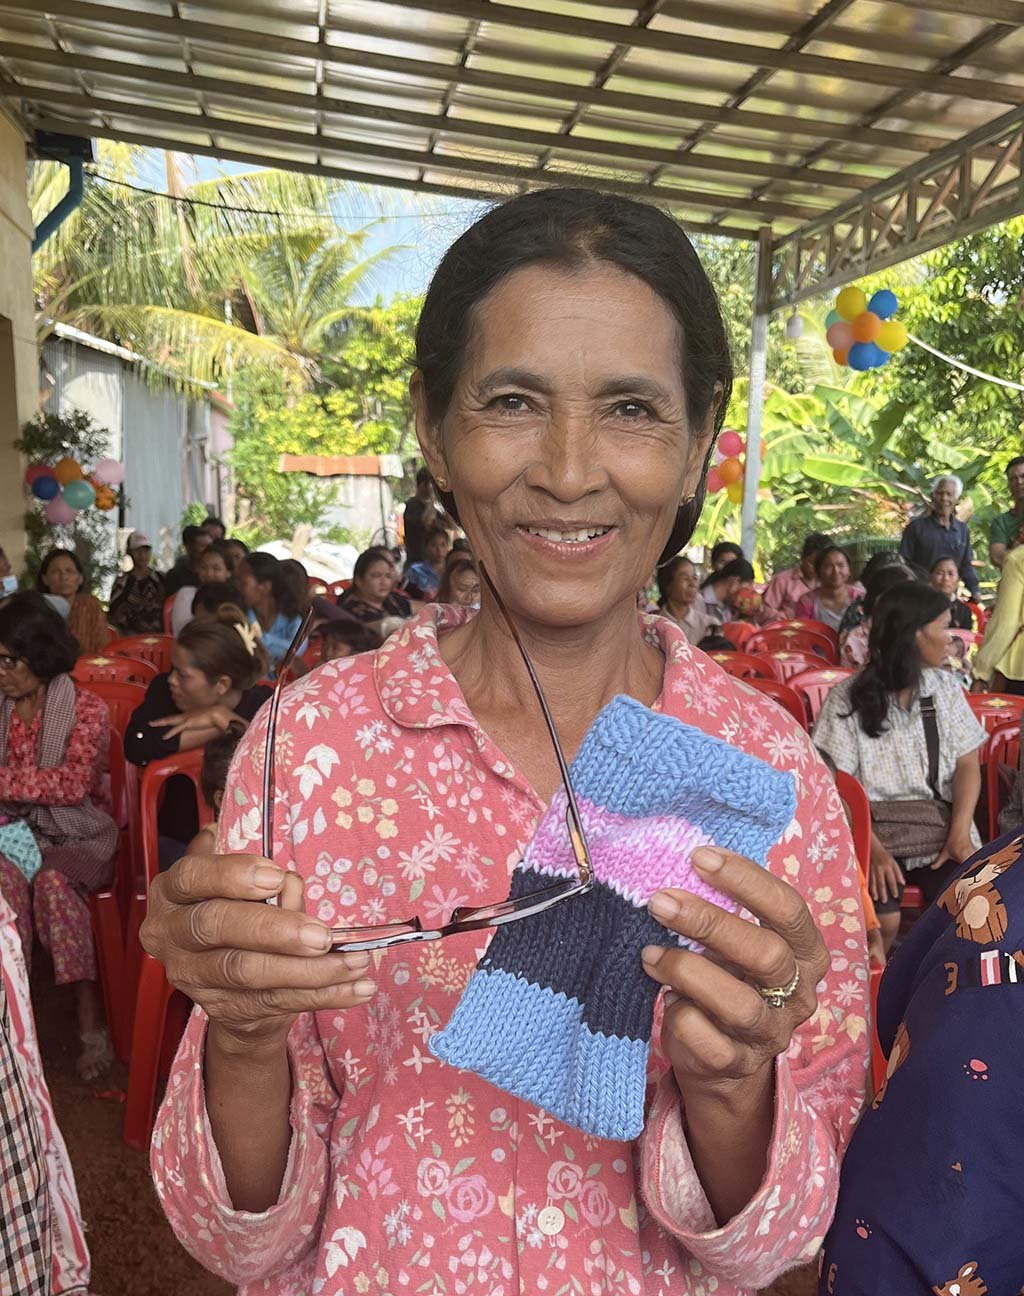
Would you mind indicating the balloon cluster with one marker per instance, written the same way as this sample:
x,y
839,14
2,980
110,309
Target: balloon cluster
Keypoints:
x,y
862,333
727,473
65,488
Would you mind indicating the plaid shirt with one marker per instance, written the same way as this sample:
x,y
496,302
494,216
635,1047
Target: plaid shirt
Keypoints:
x,y
25,1245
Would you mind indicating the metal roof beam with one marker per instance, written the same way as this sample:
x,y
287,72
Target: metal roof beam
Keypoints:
x,y
498,193
1007,11
525,175
659,106
427,121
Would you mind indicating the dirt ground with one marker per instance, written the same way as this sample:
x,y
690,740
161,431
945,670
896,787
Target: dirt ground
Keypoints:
x,y
134,1252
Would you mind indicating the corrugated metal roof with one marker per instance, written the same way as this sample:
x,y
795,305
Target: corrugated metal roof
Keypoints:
x,y
737,114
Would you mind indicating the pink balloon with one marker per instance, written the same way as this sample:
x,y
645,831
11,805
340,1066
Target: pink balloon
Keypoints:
x,y
715,483
839,336
59,512
730,443
109,472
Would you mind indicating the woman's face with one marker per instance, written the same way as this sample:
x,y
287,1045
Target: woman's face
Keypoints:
x,y
63,577
933,641
376,582
465,587
685,585
212,567
437,550
725,558
16,680
140,559
834,572
567,443
188,684
946,577
251,588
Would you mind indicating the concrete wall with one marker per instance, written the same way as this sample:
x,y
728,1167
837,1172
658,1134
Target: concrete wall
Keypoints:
x,y
19,366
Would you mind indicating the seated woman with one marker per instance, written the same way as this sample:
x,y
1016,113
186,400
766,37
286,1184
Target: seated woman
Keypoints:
x,y
945,576
212,568
212,685
56,844
460,584
423,578
137,597
929,1194
719,588
853,642
62,573
678,598
272,602
903,728
372,595
834,594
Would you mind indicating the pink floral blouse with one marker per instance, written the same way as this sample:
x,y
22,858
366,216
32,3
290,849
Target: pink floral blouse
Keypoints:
x,y
407,1175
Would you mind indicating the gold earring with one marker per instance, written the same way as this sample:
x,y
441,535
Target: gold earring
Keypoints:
x,y
687,499
442,482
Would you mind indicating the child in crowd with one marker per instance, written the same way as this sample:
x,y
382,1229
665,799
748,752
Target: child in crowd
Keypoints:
x,y
213,777
344,636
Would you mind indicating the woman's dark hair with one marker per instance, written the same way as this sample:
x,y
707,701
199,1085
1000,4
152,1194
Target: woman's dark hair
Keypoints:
x,y
217,547
295,579
894,663
32,629
812,543
462,564
367,558
823,554
283,587
715,641
213,520
571,229
44,567
218,594
359,636
881,581
941,559
666,575
884,558
217,756
738,567
726,547
218,649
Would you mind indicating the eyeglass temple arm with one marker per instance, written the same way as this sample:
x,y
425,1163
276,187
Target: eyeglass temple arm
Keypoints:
x,y
576,833
275,703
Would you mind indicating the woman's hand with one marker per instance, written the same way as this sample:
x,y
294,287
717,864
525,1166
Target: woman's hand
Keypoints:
x,y
958,848
717,1027
885,877
251,966
217,717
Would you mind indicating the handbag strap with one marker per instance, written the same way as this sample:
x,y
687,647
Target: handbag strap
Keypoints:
x,y
930,721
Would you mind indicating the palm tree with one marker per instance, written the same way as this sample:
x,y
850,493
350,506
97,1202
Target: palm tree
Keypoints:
x,y
254,270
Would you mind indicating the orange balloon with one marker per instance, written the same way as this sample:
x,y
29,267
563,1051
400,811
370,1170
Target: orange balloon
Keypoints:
x,y
67,470
841,357
730,470
866,327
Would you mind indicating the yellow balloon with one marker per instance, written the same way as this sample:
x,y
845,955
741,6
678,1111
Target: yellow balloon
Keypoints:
x,y
735,492
851,302
67,470
892,336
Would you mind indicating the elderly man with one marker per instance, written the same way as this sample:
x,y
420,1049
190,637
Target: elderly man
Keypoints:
x,y
938,533
1007,530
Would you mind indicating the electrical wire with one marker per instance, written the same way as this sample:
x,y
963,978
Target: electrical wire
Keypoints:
x,y
960,364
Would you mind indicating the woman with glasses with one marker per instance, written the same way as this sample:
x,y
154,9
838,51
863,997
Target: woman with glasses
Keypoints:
x,y
573,371
56,842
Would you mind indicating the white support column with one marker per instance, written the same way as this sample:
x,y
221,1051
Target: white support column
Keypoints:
x,y
755,399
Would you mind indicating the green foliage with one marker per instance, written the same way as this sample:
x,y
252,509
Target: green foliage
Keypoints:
x,y
375,365
46,439
194,515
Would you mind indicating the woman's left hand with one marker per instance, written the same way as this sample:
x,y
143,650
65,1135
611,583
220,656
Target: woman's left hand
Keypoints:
x,y
218,717
717,1029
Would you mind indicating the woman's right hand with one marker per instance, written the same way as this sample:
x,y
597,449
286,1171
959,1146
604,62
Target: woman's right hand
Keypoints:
x,y
885,878
251,966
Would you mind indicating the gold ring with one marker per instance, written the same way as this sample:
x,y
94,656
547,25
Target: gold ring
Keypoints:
x,y
778,996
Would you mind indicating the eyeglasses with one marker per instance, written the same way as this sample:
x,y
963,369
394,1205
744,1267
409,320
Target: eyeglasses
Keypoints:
x,y
463,919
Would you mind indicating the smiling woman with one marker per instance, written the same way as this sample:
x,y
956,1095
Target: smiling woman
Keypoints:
x,y
572,372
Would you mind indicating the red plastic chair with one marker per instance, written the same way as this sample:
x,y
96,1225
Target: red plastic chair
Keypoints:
x,y
108,907
795,638
805,623
812,686
315,586
151,648
743,666
339,587
113,670
789,662
1002,761
981,616
151,1037
785,697
995,709
738,632
168,608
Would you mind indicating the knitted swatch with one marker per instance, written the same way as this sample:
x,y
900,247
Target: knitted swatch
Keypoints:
x,y
559,1011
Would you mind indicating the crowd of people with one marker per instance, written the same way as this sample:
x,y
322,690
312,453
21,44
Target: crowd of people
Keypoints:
x,y
491,737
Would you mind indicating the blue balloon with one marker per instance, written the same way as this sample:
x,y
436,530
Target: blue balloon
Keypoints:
x,y
833,317
46,488
862,356
884,303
